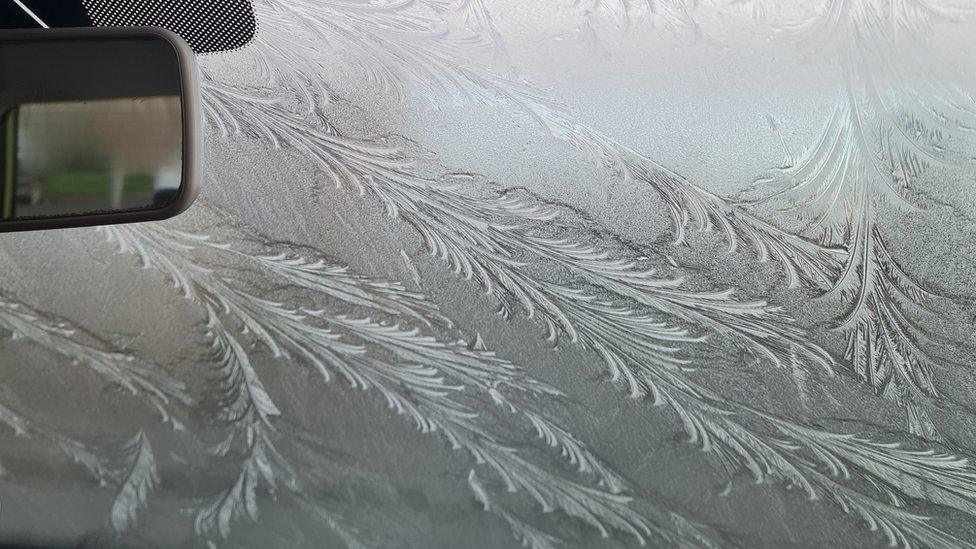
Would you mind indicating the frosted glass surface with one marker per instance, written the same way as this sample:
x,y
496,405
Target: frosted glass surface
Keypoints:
x,y
482,273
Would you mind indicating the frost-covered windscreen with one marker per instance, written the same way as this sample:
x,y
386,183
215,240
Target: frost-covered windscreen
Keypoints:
x,y
482,273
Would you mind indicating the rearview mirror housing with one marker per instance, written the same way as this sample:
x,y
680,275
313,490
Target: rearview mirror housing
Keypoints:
x,y
97,126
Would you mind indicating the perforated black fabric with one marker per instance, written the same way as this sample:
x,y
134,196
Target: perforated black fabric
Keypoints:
x,y
208,26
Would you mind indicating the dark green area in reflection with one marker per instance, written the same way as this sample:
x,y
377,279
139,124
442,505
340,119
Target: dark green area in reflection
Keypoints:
x,y
91,183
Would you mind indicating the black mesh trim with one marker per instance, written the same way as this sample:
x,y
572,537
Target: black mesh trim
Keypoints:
x,y
208,26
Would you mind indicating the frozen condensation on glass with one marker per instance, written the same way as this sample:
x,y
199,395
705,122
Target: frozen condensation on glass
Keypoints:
x,y
578,273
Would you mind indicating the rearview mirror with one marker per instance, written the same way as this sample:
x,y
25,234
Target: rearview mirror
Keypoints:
x,y
97,126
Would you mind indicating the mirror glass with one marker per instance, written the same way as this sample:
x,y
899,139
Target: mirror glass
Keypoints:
x,y
89,126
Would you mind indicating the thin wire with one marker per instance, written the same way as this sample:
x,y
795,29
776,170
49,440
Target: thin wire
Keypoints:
x,y
32,14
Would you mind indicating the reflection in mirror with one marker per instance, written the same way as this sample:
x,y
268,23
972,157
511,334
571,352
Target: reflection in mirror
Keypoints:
x,y
67,158
89,127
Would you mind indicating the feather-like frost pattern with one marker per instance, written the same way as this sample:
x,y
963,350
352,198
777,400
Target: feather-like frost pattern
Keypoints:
x,y
61,337
593,291
639,323
897,117
138,480
423,381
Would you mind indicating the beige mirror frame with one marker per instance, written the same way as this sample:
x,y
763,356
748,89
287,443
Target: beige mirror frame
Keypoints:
x,y
191,119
